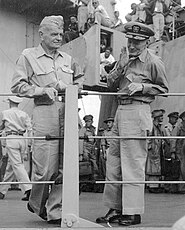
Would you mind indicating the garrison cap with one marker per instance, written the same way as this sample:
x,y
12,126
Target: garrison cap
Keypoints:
x,y
174,114
158,113
182,115
109,119
137,31
88,117
53,20
15,99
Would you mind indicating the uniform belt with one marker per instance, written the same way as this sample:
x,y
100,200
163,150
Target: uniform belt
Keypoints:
x,y
14,133
131,101
45,100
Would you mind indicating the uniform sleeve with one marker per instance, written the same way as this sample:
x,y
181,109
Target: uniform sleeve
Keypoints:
x,y
21,79
159,80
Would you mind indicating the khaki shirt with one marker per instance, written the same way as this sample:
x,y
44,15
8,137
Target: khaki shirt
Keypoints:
x,y
36,69
85,132
14,119
104,141
147,69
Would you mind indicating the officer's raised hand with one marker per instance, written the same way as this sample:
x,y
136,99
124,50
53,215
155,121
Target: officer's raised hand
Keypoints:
x,y
123,59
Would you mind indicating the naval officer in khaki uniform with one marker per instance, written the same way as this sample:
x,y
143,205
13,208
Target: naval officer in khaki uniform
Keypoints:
x,y
41,73
140,76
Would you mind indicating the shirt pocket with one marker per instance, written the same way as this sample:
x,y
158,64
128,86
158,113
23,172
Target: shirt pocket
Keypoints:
x,y
46,77
65,74
131,77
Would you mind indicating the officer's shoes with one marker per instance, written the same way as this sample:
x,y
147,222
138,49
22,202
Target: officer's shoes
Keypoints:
x,y
56,221
2,196
112,216
127,220
30,208
42,215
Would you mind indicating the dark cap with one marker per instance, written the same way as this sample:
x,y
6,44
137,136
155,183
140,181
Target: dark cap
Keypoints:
x,y
137,31
88,117
182,115
109,119
158,113
174,114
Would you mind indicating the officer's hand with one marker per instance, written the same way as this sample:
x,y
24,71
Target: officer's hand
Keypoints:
x,y
123,59
135,87
51,92
59,179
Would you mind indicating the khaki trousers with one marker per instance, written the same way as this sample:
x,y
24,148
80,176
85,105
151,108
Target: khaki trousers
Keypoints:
x,y
46,162
15,167
126,159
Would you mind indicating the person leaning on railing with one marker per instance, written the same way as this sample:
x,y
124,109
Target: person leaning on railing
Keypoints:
x,y
41,73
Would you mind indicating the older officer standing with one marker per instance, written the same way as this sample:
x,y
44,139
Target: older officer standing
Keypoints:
x,y
41,73
139,77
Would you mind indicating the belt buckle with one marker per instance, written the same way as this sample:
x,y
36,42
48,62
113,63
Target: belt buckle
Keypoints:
x,y
60,98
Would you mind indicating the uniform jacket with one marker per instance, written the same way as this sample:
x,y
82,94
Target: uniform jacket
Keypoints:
x,y
169,144
86,144
155,152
